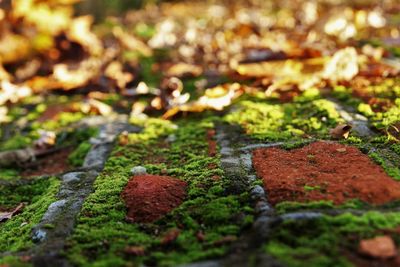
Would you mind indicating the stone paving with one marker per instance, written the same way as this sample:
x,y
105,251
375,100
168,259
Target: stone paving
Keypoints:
x,y
77,217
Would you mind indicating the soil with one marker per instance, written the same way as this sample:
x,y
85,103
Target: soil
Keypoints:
x,y
364,261
150,197
52,112
50,164
212,144
323,171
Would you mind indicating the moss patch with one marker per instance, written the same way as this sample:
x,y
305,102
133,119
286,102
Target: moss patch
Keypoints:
x,y
265,120
77,157
321,242
15,234
204,219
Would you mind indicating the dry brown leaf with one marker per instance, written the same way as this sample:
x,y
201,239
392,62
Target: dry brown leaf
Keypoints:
x,y
95,106
41,14
342,66
13,47
79,31
340,131
184,69
216,98
3,115
4,216
115,72
393,131
46,139
381,247
10,92
131,42
271,68
28,70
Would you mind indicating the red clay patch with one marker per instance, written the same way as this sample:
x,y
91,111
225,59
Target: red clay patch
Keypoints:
x,y
150,197
323,171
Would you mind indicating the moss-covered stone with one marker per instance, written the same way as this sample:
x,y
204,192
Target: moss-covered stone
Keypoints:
x,y
102,234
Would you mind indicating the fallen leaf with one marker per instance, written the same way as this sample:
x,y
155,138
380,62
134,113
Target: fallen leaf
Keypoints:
x,y
79,31
46,139
115,72
184,69
342,66
97,107
131,42
340,131
8,215
393,131
381,247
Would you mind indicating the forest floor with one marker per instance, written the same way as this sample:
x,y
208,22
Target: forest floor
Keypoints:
x,y
286,154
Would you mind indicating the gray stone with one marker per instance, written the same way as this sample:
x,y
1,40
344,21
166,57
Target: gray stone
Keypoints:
x,y
72,177
39,235
257,192
263,208
226,151
54,210
246,161
301,216
255,146
230,161
171,138
252,178
138,170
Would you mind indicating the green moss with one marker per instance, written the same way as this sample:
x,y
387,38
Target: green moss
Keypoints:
x,y
390,169
102,234
396,148
63,119
15,234
274,122
150,77
308,95
13,261
290,206
77,157
144,30
303,256
18,141
153,129
12,195
8,174
365,109
312,188
293,145
320,242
